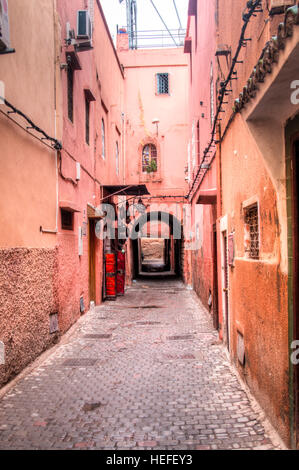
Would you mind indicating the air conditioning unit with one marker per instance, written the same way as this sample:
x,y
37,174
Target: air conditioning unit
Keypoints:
x,y
84,26
4,26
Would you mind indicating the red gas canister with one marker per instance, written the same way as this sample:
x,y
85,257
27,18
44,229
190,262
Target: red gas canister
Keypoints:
x,y
110,264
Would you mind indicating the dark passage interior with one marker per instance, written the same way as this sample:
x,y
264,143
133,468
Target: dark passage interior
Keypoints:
x,y
158,246
296,278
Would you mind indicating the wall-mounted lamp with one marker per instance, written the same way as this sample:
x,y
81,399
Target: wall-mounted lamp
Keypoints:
x,y
156,121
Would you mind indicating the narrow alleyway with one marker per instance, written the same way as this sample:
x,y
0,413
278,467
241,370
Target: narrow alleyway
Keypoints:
x,y
146,371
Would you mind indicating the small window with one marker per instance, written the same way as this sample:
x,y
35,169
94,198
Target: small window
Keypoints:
x,y
163,83
67,220
70,93
149,159
87,119
252,236
103,139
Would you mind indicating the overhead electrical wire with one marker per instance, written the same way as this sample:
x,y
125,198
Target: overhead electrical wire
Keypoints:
x,y
177,13
57,145
26,130
169,32
253,6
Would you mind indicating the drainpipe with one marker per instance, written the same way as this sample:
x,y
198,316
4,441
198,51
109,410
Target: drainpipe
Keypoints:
x,y
55,231
124,146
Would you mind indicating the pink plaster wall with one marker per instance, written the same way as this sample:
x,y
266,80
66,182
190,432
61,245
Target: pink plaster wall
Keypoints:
x,y
102,75
28,189
143,105
202,30
27,170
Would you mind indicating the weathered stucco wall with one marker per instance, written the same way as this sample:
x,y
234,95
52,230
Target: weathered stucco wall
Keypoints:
x,y
257,288
259,312
27,298
28,178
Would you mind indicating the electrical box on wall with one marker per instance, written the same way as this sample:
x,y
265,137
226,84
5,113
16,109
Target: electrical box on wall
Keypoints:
x,y
80,241
4,26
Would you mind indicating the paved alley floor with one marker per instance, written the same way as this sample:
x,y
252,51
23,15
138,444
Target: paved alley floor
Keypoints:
x,y
144,372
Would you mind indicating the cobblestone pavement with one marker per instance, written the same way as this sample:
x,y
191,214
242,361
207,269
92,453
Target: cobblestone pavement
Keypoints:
x,y
144,372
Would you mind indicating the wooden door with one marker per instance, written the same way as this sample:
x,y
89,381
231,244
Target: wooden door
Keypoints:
x,y
225,288
215,280
295,165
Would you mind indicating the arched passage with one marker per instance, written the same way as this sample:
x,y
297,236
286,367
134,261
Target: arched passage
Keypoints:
x,y
151,226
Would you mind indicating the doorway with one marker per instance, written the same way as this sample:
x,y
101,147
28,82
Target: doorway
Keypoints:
x,y
225,288
92,263
292,193
295,208
215,280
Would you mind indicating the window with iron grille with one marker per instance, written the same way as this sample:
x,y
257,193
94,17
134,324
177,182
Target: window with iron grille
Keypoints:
x,y
149,159
70,93
252,236
67,220
163,83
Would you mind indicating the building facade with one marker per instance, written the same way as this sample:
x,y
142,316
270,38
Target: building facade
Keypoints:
x,y
256,113
28,174
79,135
200,46
156,103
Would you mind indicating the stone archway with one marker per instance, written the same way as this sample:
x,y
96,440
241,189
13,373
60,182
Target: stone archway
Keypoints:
x,y
173,245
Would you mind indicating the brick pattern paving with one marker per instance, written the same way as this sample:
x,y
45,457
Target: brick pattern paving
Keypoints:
x,y
144,372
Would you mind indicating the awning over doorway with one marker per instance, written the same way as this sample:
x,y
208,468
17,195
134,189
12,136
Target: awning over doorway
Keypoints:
x,y
69,206
208,196
95,213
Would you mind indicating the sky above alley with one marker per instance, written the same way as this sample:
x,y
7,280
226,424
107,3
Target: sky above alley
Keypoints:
x,y
147,17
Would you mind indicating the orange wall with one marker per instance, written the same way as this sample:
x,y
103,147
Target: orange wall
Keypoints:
x,y
258,303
